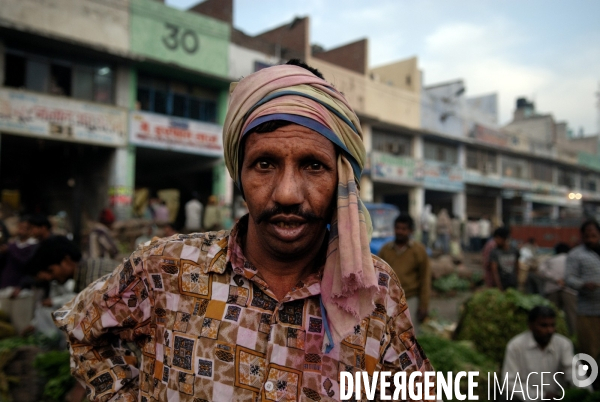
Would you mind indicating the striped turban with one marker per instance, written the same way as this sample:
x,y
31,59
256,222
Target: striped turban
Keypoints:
x,y
296,95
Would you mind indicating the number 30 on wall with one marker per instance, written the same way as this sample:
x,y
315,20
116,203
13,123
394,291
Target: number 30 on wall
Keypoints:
x,y
176,37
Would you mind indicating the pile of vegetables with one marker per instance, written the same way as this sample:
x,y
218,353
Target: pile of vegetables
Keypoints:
x,y
450,283
54,367
490,318
453,356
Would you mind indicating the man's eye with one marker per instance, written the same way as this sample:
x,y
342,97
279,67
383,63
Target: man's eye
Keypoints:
x,y
315,166
263,165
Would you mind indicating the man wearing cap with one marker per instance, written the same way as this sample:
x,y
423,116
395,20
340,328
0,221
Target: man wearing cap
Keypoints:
x,y
275,308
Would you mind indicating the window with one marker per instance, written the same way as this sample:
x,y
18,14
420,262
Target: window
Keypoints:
x,y
541,171
103,84
566,178
83,83
391,143
60,80
514,167
482,160
36,76
435,151
15,71
175,98
588,182
58,76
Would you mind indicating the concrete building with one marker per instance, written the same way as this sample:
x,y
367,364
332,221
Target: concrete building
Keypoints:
x,y
558,164
113,101
63,105
429,144
100,99
389,112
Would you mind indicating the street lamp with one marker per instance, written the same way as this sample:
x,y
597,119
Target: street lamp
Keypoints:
x,y
575,196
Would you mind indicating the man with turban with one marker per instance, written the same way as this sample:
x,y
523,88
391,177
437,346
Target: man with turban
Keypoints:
x,y
279,306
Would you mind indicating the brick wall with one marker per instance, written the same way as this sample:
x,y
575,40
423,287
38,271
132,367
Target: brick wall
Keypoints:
x,y
219,9
546,236
353,56
250,42
292,39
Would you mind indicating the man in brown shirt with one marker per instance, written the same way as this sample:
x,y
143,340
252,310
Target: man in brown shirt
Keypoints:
x,y
410,262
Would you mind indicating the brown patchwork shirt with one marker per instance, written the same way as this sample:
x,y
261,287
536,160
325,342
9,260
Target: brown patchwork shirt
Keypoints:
x,y
210,329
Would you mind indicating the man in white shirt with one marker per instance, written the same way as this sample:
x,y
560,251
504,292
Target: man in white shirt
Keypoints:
x,y
485,229
552,271
534,357
193,214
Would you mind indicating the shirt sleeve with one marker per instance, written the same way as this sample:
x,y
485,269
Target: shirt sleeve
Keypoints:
x,y
573,273
400,350
566,360
115,308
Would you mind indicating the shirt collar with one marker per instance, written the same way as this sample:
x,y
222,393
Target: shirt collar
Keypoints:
x,y
406,246
532,344
311,285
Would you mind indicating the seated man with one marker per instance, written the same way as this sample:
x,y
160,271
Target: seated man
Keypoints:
x,y
538,351
275,308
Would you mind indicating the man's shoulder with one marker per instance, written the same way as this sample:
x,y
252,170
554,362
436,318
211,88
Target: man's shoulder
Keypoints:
x,y
577,250
519,341
387,246
381,265
562,341
185,246
383,271
417,247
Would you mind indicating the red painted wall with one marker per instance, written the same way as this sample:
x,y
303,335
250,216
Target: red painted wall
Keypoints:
x,y
546,236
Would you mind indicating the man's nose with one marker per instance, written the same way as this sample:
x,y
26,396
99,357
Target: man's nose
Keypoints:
x,y
288,189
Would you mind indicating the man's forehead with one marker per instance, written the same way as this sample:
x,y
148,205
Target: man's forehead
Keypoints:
x,y
287,136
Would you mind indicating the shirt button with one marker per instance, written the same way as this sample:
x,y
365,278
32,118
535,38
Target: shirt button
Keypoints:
x,y
269,386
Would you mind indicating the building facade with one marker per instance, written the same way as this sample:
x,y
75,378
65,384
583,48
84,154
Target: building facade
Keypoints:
x,y
105,103
109,102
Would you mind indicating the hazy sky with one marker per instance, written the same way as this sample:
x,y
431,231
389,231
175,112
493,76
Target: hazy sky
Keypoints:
x,y
546,50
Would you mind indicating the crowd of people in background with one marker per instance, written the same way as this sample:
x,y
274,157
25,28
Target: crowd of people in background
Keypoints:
x,y
35,262
570,279
34,258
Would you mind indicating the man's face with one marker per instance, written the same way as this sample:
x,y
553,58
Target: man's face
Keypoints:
x,y
39,232
23,230
500,242
289,177
63,271
591,237
169,231
543,328
403,232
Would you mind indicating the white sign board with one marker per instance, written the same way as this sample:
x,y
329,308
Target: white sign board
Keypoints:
x,y
61,118
175,134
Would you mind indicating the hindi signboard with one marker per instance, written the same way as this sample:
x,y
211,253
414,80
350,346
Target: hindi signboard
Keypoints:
x,y
176,134
392,168
59,118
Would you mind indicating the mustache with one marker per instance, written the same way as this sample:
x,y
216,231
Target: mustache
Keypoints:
x,y
296,210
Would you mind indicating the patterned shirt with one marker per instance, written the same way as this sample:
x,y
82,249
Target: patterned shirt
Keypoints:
x,y
210,329
583,265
